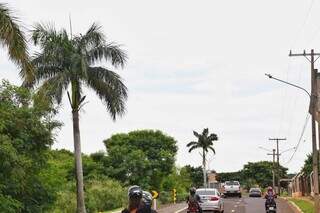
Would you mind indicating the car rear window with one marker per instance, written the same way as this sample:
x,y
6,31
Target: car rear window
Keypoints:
x,y
230,183
255,190
210,192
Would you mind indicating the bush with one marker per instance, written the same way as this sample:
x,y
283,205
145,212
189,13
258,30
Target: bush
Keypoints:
x,y
104,195
100,195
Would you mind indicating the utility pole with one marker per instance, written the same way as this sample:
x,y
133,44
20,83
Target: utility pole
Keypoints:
x,y
273,167
278,163
315,162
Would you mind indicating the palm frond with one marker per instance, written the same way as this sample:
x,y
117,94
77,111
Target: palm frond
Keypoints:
x,y
13,38
109,52
193,148
192,143
213,137
205,132
196,134
93,37
212,149
109,87
54,87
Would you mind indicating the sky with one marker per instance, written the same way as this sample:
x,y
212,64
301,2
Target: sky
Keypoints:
x,y
194,65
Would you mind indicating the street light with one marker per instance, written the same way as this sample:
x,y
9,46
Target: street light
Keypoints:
x,y
291,84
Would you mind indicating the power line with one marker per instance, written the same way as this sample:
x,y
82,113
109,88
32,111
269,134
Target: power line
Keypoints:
x,y
303,24
300,139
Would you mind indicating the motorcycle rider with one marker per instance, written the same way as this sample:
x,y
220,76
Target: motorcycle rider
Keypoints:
x,y
194,199
270,196
145,205
135,199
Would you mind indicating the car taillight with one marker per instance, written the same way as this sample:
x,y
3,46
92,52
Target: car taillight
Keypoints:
x,y
214,198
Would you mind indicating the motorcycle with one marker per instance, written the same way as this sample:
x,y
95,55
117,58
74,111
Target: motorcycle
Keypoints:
x,y
271,206
192,208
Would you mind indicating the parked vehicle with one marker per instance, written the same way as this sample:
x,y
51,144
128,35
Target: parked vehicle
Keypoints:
x,y
232,188
211,200
255,192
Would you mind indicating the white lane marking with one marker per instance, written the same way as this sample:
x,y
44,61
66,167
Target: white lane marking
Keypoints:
x,y
235,206
180,210
232,210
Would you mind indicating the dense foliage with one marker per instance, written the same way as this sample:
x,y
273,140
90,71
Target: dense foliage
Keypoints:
x,y
141,157
25,138
253,174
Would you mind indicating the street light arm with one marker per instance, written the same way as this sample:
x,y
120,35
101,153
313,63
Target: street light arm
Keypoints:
x,y
277,79
269,150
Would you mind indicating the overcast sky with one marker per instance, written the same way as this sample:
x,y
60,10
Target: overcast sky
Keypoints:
x,y
196,64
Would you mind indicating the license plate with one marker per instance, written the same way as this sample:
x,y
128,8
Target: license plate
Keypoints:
x,y
271,208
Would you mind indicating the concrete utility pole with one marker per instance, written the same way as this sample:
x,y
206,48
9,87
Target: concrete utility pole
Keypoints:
x,y
273,167
314,88
278,163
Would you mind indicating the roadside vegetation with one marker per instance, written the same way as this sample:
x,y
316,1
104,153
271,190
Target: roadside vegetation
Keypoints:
x,y
254,174
35,178
305,205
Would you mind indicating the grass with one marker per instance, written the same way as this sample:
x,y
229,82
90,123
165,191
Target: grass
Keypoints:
x,y
305,206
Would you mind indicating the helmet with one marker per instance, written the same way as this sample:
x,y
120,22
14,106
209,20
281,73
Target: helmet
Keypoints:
x,y
146,198
193,190
135,191
269,189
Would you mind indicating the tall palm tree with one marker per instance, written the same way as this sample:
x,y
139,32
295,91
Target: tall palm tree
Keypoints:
x,y
13,38
64,61
204,142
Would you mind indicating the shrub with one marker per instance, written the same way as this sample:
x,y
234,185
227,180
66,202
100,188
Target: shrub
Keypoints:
x,y
104,195
100,195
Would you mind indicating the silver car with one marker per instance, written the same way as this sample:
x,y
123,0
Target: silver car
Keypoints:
x,y
210,200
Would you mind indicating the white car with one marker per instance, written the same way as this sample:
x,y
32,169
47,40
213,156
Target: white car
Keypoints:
x,y
210,200
231,188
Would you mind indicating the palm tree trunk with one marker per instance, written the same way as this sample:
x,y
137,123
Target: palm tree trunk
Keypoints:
x,y
204,168
77,154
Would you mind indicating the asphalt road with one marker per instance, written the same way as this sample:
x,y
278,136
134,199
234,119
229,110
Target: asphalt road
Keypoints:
x,y
240,205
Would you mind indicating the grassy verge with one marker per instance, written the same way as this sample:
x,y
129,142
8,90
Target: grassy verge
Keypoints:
x,y
304,205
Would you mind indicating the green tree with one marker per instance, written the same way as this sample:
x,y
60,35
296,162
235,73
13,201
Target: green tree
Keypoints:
x,y
204,142
25,138
12,37
141,157
260,173
195,174
64,61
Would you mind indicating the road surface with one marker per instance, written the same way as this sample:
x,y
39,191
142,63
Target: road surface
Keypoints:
x,y
239,205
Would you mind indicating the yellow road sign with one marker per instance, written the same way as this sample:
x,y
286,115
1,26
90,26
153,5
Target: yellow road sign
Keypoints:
x,y
155,194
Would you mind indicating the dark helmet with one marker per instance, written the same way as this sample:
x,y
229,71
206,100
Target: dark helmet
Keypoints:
x,y
135,191
193,190
147,198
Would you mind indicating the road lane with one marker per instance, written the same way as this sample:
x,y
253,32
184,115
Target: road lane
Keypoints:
x,y
251,205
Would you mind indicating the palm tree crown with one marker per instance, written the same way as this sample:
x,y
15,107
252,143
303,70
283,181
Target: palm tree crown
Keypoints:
x,y
63,61
205,141
13,38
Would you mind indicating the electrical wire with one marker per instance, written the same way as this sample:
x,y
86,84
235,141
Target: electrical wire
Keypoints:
x,y
303,24
300,139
